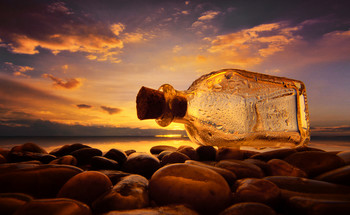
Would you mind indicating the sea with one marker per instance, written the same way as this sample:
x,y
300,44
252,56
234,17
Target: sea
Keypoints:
x,y
144,144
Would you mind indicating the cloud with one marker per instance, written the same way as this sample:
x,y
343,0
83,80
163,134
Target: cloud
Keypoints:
x,y
208,15
111,110
251,46
331,130
202,24
70,83
17,70
83,106
54,27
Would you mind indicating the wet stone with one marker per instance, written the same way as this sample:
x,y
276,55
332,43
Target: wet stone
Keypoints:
x,y
225,153
338,176
117,155
345,155
305,205
247,153
99,162
165,210
10,202
28,156
189,151
248,208
54,206
174,157
206,153
66,160
84,155
241,169
162,154
275,154
307,148
141,163
29,147
2,159
199,187
257,190
262,164
4,152
158,149
129,152
130,193
85,187
315,162
281,167
114,175
67,149
229,176
49,178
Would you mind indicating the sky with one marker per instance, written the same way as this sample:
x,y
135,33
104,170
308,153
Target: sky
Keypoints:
x,y
75,67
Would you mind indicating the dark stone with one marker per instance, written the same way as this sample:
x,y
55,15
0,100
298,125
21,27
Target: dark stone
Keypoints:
x,y
314,162
262,164
114,175
130,193
206,153
257,190
10,202
129,152
275,154
281,167
54,207
158,149
117,155
225,153
141,163
248,208
162,154
2,159
42,181
67,160
247,153
338,176
174,157
99,162
165,210
306,148
189,151
6,167
29,147
229,176
199,187
345,155
241,169
84,155
85,187
68,149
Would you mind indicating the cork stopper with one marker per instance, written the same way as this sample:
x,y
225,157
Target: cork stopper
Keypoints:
x,y
150,103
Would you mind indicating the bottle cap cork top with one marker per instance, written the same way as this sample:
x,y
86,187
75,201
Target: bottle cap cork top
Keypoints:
x,y
150,103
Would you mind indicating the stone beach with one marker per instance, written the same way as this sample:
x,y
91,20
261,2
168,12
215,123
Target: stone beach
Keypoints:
x,y
81,180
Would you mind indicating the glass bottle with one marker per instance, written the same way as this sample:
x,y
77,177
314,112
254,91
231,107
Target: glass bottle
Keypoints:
x,y
233,107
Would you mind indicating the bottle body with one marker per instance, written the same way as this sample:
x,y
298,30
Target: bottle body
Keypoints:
x,y
241,108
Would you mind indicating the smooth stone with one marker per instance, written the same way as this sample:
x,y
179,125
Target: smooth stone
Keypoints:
x,y
29,147
42,181
162,154
4,152
29,156
85,187
174,157
275,154
158,149
130,193
58,206
229,176
114,175
315,162
6,167
257,190
165,210
337,176
304,185
84,155
2,159
66,160
199,187
248,208
117,155
305,205
225,153
206,153
247,153
262,164
345,155
67,149
281,167
241,169
10,202
99,162
307,148
141,163
129,152
189,151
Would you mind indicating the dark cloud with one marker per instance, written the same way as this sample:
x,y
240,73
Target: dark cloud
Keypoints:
x,y
111,110
70,83
16,70
83,106
48,128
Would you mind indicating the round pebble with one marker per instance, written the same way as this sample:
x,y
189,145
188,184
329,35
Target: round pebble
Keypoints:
x,y
141,163
206,153
67,160
338,176
84,155
345,155
248,208
225,153
158,149
241,169
99,162
275,154
281,167
117,155
189,151
174,157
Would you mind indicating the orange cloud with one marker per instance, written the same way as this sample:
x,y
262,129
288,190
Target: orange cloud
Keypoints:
x,y
83,106
68,84
202,24
111,110
18,70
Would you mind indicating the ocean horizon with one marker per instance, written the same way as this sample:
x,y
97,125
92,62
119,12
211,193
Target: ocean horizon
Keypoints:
x,y
144,143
